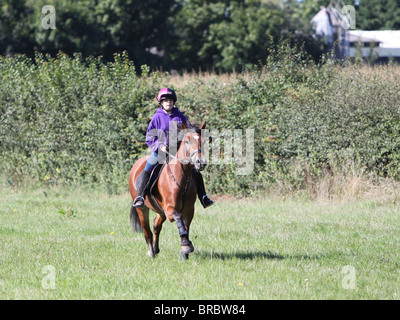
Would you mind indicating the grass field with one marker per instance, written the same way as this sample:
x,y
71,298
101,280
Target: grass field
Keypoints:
x,y
78,244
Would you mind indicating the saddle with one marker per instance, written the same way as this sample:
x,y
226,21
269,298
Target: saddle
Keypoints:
x,y
151,186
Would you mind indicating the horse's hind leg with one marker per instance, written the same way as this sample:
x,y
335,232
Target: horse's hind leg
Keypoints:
x,y
148,235
158,221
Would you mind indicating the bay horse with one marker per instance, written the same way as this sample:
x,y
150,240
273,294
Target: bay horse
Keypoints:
x,y
175,193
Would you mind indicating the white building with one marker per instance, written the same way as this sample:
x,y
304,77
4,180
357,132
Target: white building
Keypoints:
x,y
330,25
385,43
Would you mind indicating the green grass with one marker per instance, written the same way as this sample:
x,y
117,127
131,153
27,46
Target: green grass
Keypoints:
x,y
245,249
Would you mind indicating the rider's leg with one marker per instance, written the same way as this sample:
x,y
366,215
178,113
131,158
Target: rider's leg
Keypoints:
x,y
150,164
201,191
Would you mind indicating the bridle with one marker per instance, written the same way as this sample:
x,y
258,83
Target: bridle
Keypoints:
x,y
189,158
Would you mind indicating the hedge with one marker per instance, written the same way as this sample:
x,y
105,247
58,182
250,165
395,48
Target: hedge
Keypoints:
x,y
68,120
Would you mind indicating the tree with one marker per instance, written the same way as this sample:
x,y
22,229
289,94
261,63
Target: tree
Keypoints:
x,y
135,26
228,35
223,34
378,15
91,27
77,28
179,34
16,27
190,29
243,38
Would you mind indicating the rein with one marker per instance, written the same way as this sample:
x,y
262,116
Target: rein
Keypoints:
x,y
184,190
187,160
184,161
177,183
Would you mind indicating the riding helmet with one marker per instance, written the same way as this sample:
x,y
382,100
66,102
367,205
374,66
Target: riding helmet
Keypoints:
x,y
166,93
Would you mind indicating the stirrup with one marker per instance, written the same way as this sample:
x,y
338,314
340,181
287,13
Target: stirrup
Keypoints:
x,y
139,202
210,203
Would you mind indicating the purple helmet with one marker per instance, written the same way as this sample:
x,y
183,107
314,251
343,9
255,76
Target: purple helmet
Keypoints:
x,y
166,93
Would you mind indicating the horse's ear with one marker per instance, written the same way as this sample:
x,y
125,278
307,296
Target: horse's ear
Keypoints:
x,y
203,126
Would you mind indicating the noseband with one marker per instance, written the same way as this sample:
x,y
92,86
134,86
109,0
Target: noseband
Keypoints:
x,y
189,158
192,154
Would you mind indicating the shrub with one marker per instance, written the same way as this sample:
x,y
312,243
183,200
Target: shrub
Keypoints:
x,y
69,120
72,120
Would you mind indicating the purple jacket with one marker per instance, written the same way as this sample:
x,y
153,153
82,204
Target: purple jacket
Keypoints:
x,y
158,130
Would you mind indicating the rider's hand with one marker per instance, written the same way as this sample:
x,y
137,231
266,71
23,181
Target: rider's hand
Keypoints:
x,y
163,148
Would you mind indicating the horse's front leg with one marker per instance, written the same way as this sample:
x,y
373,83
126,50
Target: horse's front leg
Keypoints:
x,y
186,244
158,221
183,229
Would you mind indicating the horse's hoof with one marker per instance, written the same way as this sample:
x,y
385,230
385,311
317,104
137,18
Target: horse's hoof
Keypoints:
x,y
184,256
187,249
151,254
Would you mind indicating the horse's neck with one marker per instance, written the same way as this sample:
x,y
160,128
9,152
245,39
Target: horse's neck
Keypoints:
x,y
180,170
181,152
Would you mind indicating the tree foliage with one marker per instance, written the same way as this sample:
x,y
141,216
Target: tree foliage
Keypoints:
x,y
175,34
378,15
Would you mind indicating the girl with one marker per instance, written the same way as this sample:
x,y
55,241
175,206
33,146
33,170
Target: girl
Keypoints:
x,y
159,123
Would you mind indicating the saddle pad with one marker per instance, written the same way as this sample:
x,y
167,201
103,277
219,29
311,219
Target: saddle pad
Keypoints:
x,y
154,175
152,185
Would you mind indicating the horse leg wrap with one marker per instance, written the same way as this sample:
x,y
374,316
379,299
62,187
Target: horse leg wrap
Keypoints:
x,y
186,244
183,232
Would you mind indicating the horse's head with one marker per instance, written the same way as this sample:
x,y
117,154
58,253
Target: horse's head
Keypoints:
x,y
192,143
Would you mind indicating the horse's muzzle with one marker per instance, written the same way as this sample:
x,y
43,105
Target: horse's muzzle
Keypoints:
x,y
199,165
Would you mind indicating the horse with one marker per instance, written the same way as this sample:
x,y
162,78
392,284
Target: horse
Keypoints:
x,y
174,195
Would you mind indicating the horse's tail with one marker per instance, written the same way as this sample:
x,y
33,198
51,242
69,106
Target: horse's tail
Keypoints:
x,y
135,222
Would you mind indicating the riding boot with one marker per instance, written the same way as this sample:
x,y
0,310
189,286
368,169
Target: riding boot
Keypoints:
x,y
201,190
139,201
